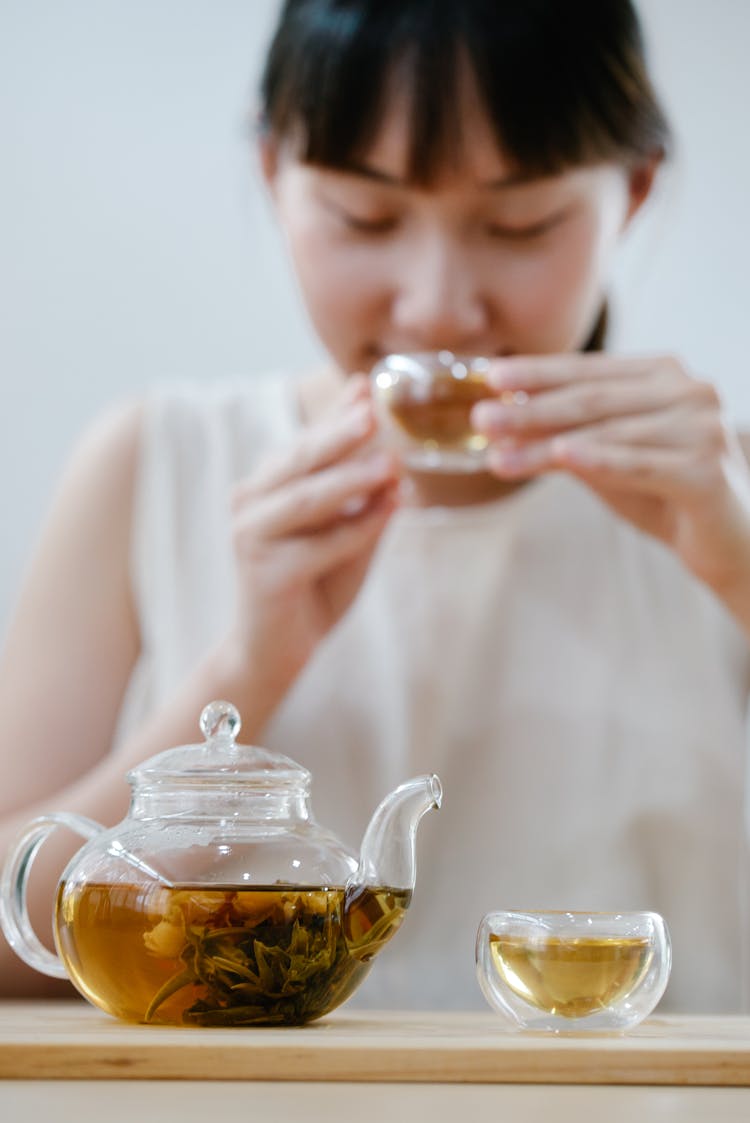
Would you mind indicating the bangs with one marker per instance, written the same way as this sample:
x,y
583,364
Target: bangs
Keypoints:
x,y
562,84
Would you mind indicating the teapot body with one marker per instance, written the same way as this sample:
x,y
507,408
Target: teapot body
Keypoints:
x,y
219,900
214,928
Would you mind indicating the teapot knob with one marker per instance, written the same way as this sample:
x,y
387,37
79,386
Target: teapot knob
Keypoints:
x,y
220,719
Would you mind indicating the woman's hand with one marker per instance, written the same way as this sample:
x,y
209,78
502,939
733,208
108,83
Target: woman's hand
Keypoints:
x,y
643,434
305,527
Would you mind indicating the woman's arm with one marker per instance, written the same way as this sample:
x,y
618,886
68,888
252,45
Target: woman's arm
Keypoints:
x,y
73,639
70,648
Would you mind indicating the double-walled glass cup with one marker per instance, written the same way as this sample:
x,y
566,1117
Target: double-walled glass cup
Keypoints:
x,y
573,971
424,403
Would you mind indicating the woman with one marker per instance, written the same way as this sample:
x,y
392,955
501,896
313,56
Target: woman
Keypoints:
x,y
563,638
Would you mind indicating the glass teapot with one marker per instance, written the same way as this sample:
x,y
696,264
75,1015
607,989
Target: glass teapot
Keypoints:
x,y
219,900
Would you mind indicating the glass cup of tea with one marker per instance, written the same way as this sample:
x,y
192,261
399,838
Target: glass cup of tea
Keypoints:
x,y
424,402
573,971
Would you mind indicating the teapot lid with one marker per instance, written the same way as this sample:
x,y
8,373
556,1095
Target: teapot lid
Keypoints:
x,y
220,761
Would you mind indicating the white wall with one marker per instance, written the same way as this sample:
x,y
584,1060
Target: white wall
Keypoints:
x,y
135,243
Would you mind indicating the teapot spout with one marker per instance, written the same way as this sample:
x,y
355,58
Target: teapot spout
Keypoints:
x,y
387,856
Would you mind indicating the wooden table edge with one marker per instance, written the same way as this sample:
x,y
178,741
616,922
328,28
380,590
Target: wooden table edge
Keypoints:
x,y
75,1042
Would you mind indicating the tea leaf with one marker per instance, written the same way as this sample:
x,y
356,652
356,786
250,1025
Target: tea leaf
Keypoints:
x,y
281,960
177,982
237,968
375,937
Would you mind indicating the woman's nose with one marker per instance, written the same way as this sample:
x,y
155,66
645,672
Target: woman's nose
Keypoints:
x,y
438,302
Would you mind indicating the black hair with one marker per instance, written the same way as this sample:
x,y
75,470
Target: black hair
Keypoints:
x,y
565,82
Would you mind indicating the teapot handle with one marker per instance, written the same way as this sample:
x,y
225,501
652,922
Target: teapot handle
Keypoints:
x,y
14,912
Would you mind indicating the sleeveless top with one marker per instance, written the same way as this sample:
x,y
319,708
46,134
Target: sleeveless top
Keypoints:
x,y
582,698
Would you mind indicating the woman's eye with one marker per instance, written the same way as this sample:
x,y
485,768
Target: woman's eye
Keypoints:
x,y
368,225
524,233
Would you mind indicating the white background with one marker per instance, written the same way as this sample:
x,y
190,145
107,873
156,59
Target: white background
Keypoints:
x,y
136,243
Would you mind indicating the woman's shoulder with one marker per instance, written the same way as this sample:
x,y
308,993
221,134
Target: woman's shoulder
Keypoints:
x,y
104,460
176,423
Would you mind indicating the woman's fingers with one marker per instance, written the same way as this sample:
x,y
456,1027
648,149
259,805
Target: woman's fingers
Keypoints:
x,y
571,407
356,389
586,401
306,558
319,504
643,424
657,469
351,539
313,502
534,373
682,425
318,447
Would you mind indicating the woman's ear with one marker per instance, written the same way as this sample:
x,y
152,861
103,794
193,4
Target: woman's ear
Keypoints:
x,y
641,179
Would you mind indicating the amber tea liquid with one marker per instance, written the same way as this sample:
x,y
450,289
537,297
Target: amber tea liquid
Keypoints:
x,y
571,977
438,416
187,955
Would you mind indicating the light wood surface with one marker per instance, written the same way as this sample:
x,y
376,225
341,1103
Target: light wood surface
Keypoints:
x,y
170,1101
73,1041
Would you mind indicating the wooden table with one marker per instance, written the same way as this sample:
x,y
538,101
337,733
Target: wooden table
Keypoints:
x,y
70,1056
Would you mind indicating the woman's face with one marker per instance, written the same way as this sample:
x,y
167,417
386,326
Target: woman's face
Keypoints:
x,y
479,262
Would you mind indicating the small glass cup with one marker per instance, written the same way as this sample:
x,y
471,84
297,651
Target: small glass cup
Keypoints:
x,y
573,971
424,402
